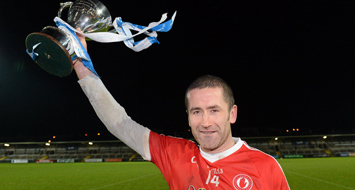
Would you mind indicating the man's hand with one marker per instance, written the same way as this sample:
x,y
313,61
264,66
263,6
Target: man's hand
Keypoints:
x,y
82,39
80,69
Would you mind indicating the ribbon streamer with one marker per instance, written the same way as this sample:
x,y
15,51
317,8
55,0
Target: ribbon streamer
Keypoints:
x,y
123,28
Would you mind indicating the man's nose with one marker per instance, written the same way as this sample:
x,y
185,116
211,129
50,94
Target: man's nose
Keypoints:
x,y
206,120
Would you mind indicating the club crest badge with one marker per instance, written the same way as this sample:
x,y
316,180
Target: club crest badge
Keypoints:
x,y
242,182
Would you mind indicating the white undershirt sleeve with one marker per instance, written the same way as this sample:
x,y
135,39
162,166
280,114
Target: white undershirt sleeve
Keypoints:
x,y
114,116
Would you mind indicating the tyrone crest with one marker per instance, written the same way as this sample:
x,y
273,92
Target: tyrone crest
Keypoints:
x,y
242,182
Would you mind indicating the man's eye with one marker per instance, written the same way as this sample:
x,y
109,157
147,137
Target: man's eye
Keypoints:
x,y
195,112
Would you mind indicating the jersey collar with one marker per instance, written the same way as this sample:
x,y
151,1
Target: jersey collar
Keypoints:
x,y
218,156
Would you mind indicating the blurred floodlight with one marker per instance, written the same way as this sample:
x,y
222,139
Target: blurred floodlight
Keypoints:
x,y
90,143
48,144
276,138
324,137
6,144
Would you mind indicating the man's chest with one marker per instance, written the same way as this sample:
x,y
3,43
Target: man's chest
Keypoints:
x,y
196,173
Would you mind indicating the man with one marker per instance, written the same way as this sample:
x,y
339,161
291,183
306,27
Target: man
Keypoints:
x,y
219,162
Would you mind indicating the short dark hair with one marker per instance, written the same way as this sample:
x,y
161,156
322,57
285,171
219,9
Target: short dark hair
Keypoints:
x,y
209,81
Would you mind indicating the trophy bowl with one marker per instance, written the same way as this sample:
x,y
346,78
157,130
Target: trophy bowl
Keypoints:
x,y
88,15
55,50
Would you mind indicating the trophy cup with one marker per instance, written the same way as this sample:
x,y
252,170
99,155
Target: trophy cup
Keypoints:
x,y
53,47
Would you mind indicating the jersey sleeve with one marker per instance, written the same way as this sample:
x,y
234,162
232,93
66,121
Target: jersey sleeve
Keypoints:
x,y
114,116
279,180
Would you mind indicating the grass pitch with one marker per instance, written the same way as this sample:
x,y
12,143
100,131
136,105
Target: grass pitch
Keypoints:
x,y
320,173
302,174
81,176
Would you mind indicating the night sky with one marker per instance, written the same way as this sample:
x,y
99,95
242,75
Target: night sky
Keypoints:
x,y
290,64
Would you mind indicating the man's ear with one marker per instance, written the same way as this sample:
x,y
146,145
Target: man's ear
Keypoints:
x,y
233,114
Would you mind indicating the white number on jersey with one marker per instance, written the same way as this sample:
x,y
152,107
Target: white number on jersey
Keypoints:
x,y
214,179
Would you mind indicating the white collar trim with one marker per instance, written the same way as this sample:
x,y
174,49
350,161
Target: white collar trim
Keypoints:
x,y
218,156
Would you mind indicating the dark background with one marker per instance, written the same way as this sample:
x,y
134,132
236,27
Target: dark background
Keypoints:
x,y
290,64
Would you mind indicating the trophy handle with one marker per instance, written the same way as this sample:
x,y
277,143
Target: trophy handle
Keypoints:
x,y
63,6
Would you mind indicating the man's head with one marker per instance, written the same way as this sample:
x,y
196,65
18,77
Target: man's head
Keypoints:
x,y
209,81
211,110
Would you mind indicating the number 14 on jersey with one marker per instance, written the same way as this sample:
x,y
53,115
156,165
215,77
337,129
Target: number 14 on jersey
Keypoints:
x,y
214,179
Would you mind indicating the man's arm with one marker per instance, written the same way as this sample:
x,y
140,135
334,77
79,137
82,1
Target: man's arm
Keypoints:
x,y
110,112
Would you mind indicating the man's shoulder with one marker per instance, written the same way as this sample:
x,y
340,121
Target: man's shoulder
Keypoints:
x,y
256,154
172,141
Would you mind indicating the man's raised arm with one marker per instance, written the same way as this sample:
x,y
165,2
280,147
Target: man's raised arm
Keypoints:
x,y
112,114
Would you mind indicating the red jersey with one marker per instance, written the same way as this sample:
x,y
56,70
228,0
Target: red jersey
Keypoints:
x,y
186,167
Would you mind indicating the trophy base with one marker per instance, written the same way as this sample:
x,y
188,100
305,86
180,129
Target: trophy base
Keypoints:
x,y
52,55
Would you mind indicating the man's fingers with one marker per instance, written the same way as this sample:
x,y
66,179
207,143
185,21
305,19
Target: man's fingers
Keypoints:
x,y
80,35
81,38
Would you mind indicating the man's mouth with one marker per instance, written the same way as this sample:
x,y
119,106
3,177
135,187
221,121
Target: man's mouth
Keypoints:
x,y
207,132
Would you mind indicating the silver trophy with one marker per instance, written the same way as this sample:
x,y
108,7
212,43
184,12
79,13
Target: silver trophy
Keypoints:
x,y
53,46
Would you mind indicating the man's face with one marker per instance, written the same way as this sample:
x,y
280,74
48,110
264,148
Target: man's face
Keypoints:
x,y
210,119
